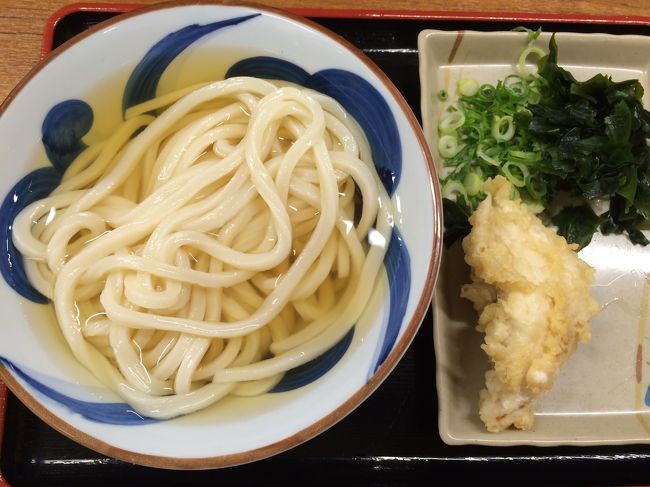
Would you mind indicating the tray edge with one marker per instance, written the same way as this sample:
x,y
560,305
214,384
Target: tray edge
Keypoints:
x,y
118,8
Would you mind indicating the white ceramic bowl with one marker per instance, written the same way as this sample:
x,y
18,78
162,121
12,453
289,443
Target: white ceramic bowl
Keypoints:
x,y
82,86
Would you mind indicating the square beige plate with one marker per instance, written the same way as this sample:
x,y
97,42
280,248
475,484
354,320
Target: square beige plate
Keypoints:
x,y
601,395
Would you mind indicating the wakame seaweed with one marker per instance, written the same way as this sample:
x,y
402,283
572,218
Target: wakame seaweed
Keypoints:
x,y
600,149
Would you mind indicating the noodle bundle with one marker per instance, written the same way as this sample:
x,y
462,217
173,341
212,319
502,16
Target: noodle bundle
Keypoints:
x,y
221,236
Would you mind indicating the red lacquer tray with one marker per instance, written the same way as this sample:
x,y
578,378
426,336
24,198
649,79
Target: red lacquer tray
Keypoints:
x,y
392,438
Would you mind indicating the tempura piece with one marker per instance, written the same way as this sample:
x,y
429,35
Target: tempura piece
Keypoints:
x,y
533,295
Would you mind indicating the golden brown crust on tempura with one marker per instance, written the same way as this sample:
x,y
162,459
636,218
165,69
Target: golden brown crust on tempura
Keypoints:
x,y
533,296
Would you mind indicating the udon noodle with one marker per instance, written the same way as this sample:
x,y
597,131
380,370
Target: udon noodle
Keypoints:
x,y
218,238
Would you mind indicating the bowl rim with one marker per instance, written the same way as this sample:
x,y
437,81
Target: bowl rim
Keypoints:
x,y
382,372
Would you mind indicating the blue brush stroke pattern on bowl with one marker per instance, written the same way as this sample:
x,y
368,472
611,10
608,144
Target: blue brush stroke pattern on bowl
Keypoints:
x,y
143,82
63,128
101,412
32,187
313,370
398,268
67,122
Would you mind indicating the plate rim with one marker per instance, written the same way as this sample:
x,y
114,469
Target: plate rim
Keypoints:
x,y
442,377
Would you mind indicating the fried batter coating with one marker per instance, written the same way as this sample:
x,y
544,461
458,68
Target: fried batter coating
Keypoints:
x,y
532,293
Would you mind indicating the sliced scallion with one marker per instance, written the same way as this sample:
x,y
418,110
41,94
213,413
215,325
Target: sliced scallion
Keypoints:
x,y
450,122
485,134
516,173
448,145
486,92
521,63
473,183
516,86
503,128
524,156
487,158
468,86
452,189
536,187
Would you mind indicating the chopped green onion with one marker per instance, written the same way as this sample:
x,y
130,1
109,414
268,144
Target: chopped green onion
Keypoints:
x,y
481,134
443,95
451,122
473,183
521,64
448,146
489,159
514,193
468,86
524,156
518,180
503,128
516,86
485,92
536,187
534,95
532,34
452,189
